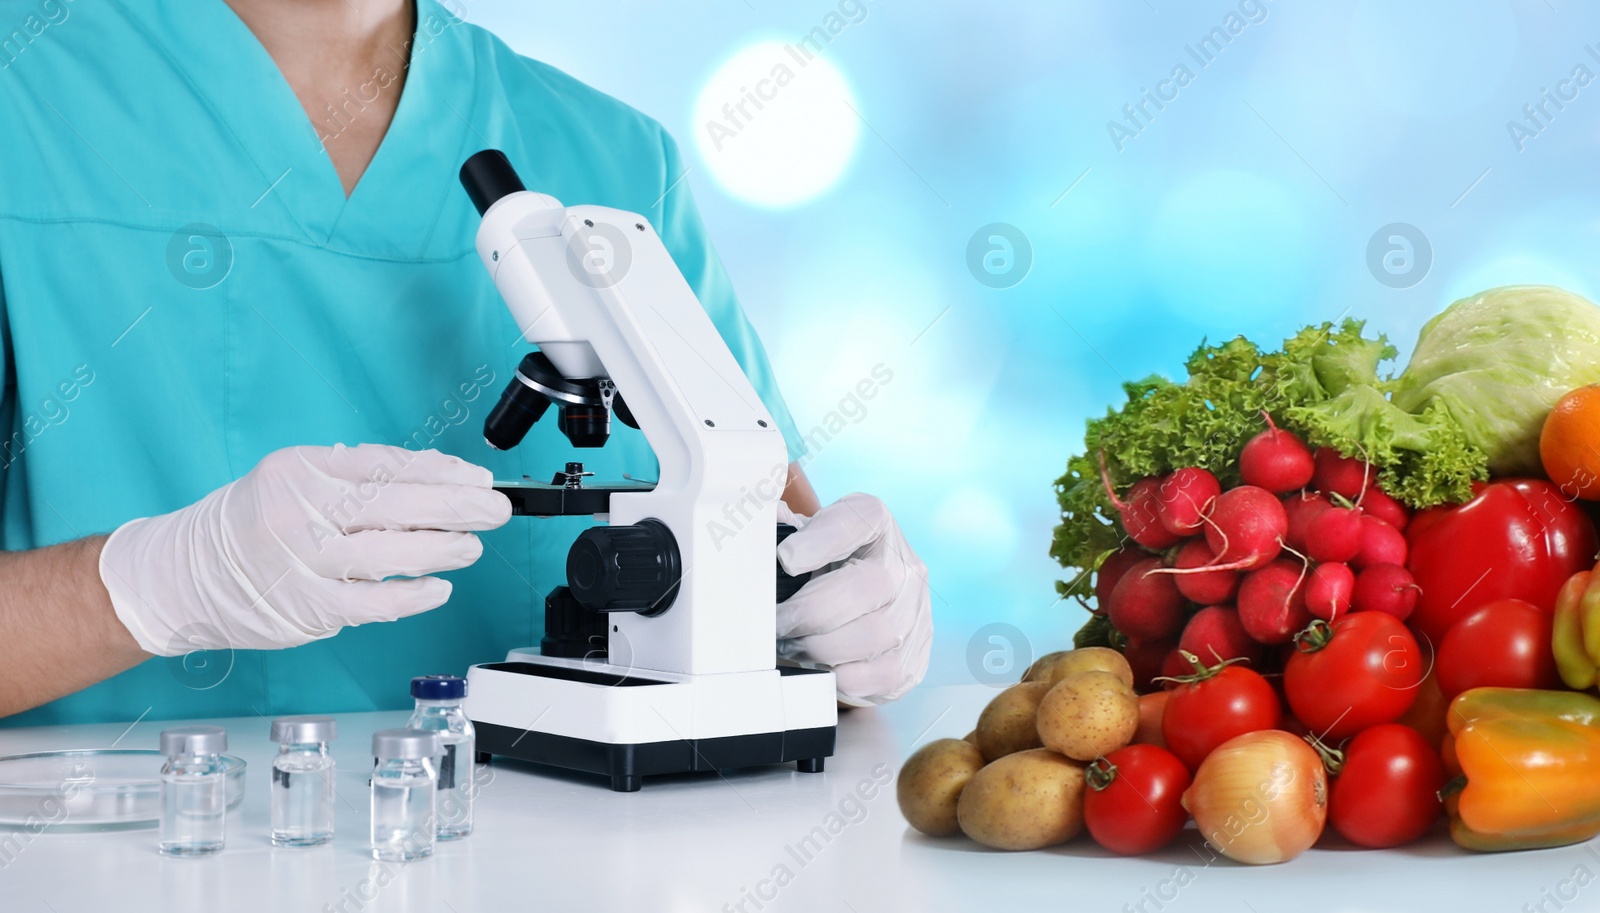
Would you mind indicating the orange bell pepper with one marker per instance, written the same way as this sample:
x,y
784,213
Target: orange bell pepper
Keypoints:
x,y
1530,768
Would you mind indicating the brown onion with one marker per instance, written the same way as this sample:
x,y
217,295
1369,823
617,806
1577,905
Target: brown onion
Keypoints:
x,y
1260,798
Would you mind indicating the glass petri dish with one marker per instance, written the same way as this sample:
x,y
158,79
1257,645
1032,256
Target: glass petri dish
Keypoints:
x,y
91,788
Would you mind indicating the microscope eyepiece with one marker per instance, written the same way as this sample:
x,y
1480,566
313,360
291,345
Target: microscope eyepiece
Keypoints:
x,y
488,176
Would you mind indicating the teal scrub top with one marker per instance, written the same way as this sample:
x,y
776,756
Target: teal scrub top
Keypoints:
x,y
185,288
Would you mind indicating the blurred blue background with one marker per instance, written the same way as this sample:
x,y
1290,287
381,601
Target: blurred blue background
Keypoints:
x,y
1245,204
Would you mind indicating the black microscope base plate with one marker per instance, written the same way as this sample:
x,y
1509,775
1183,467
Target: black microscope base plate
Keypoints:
x,y
626,764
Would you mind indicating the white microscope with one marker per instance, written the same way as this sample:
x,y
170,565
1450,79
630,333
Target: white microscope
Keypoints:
x,y
659,654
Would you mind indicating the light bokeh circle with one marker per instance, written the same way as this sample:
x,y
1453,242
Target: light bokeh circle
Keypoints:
x,y
776,124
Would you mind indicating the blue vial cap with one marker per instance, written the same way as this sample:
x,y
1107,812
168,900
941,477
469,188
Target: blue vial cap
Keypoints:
x,y
438,687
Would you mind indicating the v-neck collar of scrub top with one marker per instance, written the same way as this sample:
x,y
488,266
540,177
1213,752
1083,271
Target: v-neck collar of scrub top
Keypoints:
x,y
393,208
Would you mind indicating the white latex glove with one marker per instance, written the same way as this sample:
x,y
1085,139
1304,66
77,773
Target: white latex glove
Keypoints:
x,y
301,546
865,612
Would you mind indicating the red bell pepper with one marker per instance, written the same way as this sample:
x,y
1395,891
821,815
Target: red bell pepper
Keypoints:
x,y
1516,539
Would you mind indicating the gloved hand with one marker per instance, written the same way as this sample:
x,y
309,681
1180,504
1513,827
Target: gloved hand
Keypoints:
x,y
299,547
866,611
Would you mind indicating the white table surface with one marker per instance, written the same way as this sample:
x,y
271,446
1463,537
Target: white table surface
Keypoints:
x,y
558,842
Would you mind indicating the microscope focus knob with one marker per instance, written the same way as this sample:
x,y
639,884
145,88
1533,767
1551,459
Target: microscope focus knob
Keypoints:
x,y
633,568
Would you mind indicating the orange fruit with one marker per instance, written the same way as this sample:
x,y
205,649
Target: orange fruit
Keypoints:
x,y
1569,444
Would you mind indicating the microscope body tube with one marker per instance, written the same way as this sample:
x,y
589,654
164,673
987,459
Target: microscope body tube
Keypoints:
x,y
723,462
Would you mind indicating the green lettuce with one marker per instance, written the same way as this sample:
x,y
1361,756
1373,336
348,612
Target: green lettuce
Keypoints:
x,y
1498,361
1323,384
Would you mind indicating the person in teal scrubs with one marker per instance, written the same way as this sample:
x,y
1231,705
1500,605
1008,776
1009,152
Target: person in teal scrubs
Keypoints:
x,y
231,240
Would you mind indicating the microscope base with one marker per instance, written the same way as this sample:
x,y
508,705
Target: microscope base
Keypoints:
x,y
627,764
627,725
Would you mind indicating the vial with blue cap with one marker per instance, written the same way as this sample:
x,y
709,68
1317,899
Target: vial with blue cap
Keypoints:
x,y
439,710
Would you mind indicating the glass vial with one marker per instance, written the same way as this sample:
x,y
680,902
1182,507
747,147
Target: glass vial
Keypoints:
x,y
439,710
302,781
404,783
194,791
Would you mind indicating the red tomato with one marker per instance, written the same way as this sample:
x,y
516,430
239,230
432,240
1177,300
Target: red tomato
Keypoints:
x,y
1427,713
1217,705
1362,670
1386,794
1151,708
1504,644
1516,539
1134,801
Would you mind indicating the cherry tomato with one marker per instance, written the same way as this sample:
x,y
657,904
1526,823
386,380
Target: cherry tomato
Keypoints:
x,y
1134,801
1386,793
1505,643
1214,705
1359,671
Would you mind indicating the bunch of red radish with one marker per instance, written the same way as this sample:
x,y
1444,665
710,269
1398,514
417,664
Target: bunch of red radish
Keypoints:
x,y
1233,574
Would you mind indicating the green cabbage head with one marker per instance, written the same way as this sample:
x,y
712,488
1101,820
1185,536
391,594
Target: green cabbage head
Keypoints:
x,y
1498,361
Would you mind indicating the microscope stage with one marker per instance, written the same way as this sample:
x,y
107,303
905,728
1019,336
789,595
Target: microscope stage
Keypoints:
x,y
544,499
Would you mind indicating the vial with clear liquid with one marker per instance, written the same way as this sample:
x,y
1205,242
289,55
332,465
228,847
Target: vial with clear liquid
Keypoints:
x,y
194,791
404,784
302,781
439,710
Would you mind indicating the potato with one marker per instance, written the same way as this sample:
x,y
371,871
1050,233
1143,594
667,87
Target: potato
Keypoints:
x,y
971,737
1053,667
931,780
1007,724
1023,801
1088,715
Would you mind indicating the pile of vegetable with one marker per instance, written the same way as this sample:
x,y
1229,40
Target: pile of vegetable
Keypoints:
x,y
1482,378
1321,600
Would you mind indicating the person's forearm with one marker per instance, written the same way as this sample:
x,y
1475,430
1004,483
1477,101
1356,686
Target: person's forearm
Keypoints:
x,y
58,632
798,493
